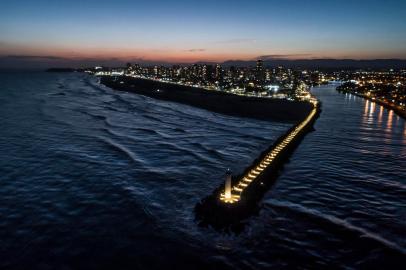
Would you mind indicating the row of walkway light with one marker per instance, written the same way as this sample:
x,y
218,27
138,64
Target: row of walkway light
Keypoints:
x,y
234,195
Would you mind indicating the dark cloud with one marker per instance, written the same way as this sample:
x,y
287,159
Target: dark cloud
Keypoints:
x,y
196,50
284,56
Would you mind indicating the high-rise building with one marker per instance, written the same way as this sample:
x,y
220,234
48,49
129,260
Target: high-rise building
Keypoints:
x,y
259,70
156,70
260,65
204,73
218,72
267,75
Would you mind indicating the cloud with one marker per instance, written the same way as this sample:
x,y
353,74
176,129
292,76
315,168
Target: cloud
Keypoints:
x,y
33,57
284,56
237,41
196,50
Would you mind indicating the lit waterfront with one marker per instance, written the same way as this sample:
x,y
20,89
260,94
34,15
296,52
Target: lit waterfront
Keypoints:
x,y
259,81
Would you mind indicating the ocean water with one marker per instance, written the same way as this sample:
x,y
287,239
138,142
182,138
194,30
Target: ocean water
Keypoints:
x,y
93,178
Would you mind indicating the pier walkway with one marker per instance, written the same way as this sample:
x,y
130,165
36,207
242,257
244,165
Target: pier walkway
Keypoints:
x,y
234,195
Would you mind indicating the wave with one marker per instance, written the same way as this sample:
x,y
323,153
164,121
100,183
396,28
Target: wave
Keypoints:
x,y
95,116
57,94
178,129
77,155
168,146
122,150
337,222
94,84
192,152
120,135
216,153
149,131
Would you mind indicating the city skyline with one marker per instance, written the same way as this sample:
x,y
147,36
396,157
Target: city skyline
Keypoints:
x,y
45,33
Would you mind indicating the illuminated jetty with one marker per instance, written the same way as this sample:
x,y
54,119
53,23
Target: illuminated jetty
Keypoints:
x,y
234,195
238,197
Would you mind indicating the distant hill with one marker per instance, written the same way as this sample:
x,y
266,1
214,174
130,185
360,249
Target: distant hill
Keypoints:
x,y
325,63
58,64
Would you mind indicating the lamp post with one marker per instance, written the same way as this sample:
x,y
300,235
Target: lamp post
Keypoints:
x,y
227,191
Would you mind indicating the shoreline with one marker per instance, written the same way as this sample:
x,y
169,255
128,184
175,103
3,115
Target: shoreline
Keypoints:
x,y
397,110
215,101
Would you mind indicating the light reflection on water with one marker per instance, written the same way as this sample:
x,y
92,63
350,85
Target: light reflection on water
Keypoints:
x,y
372,109
389,122
380,114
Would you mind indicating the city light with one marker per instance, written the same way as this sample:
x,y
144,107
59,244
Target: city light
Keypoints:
x,y
258,81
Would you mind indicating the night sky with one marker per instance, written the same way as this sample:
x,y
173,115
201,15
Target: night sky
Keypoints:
x,y
186,31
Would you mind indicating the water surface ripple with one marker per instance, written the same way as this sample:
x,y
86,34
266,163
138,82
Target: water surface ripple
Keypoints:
x,y
92,178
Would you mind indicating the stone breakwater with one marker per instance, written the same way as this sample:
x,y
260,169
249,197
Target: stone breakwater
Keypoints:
x,y
226,210
212,100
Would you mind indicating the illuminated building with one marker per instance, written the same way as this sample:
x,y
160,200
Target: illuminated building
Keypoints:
x,y
259,76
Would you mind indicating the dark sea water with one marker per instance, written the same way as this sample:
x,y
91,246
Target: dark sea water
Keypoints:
x,y
93,178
